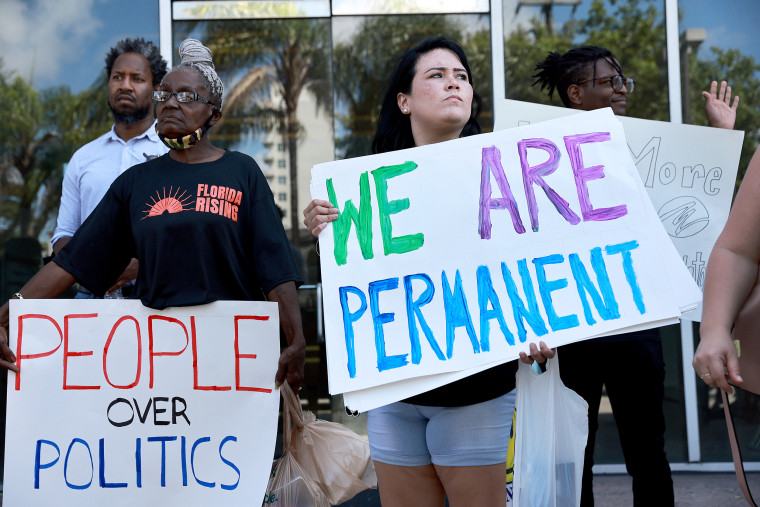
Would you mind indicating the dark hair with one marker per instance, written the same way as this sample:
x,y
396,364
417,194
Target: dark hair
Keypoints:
x,y
394,130
558,72
141,47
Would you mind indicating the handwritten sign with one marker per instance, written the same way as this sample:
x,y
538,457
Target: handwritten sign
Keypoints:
x,y
689,173
453,256
118,404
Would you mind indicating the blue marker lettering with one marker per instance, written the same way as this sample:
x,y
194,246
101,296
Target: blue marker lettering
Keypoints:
x,y
163,441
545,288
66,465
605,304
229,463
487,295
413,311
384,362
192,463
531,315
630,274
138,461
39,466
457,313
102,453
348,323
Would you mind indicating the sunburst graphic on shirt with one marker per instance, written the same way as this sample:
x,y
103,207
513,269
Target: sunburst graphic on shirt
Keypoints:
x,y
171,202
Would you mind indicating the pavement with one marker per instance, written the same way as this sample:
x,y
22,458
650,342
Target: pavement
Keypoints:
x,y
691,489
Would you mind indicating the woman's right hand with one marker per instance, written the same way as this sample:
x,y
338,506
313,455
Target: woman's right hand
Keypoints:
x,y
716,361
317,215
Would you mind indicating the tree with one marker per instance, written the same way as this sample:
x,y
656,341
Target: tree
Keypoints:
x,y
281,59
37,137
634,31
365,62
742,73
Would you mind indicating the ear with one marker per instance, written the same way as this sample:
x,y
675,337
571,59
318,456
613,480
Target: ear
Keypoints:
x,y
403,103
575,96
215,117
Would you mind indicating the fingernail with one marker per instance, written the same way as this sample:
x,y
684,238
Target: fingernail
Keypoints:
x,y
739,378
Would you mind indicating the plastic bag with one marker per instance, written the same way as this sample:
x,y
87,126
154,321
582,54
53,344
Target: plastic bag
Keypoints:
x,y
290,485
334,456
552,429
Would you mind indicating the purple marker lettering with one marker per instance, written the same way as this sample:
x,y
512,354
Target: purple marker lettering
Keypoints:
x,y
491,164
585,174
534,175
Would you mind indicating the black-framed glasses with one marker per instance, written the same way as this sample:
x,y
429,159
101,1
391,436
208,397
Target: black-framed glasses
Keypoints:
x,y
616,82
183,97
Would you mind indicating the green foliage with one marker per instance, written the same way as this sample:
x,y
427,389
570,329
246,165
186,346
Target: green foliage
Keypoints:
x,y
38,135
280,60
742,74
365,62
634,31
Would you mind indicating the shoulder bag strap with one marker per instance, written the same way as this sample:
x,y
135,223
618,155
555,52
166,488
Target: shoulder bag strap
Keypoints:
x,y
740,477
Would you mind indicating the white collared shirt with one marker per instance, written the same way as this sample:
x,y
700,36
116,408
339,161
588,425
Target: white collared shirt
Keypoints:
x,y
93,168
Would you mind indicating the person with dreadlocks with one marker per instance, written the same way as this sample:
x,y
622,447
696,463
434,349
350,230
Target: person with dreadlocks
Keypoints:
x,y
201,221
134,68
588,78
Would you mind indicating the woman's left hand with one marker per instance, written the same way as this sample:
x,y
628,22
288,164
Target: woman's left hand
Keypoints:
x,y
540,353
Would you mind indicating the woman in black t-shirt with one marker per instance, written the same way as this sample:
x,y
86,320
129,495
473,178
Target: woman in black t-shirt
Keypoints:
x,y
226,244
452,441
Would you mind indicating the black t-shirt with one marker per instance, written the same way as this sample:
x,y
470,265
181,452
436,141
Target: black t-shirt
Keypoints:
x,y
201,232
483,386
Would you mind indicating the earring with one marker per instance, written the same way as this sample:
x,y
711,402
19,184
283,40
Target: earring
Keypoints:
x,y
406,110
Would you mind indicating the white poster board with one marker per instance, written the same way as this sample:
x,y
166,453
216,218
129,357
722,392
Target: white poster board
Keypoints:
x,y
455,256
688,171
119,404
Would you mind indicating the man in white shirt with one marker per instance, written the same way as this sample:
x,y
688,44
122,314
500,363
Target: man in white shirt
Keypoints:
x,y
135,68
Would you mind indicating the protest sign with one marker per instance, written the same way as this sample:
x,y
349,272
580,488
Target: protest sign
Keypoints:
x,y
689,173
119,404
450,257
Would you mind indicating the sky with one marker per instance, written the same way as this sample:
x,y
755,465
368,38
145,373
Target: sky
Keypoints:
x,y
64,42
729,23
55,42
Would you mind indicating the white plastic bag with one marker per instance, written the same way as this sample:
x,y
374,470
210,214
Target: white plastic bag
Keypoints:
x,y
552,429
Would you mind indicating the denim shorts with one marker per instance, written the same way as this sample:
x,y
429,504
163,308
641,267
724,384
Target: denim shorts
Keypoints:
x,y
414,435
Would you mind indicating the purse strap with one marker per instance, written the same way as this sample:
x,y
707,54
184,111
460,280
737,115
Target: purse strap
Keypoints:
x,y
738,465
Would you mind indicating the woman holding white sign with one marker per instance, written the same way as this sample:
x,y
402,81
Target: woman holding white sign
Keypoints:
x,y
201,221
450,442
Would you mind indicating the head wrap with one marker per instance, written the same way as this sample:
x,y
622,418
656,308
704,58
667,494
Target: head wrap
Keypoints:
x,y
197,57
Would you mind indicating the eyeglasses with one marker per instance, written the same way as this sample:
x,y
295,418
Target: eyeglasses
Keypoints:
x,y
183,97
617,82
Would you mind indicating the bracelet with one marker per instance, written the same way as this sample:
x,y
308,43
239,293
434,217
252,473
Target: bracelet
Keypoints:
x,y
17,295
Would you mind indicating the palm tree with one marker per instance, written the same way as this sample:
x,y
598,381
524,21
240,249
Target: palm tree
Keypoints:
x,y
285,58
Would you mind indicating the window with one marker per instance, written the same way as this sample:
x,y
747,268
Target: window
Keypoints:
x,y
282,180
282,196
281,163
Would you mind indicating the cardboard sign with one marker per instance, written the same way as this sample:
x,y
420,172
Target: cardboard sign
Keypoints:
x,y
119,404
689,173
450,257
